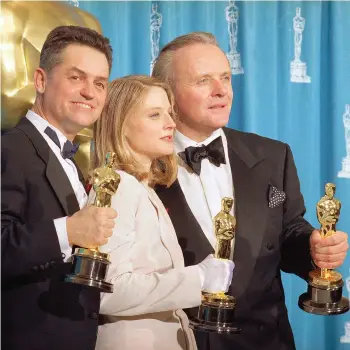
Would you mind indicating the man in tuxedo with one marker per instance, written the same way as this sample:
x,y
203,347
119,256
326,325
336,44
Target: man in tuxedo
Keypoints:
x,y
260,174
43,213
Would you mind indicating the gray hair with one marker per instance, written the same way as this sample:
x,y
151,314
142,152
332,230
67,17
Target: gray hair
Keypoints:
x,y
163,64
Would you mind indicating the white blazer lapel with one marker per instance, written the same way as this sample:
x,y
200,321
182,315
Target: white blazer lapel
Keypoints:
x,y
167,232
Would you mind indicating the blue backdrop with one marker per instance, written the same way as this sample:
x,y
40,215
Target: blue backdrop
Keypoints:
x,y
293,90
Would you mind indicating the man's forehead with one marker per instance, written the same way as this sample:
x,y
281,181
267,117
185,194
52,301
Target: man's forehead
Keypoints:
x,y
201,59
86,59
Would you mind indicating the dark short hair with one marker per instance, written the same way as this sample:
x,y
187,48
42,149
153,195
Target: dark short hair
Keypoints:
x,y
60,37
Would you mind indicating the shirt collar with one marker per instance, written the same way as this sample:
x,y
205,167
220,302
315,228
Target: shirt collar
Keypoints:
x,y
41,124
182,141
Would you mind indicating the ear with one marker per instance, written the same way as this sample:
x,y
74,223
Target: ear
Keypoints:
x,y
40,79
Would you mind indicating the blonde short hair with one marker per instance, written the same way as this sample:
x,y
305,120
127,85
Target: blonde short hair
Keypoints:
x,y
162,68
125,95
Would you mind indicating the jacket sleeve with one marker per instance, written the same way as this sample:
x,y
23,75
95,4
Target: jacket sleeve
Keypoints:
x,y
296,257
143,282
25,245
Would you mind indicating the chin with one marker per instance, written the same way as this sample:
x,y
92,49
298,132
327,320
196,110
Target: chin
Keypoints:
x,y
166,152
85,122
217,120
217,125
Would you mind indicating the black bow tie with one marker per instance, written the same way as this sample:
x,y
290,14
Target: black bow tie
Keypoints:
x,y
214,152
69,149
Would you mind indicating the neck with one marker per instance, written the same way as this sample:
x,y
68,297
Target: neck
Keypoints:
x,y
193,134
145,167
38,109
143,163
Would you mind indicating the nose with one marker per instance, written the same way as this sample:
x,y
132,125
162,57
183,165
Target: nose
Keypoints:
x,y
87,90
169,122
219,88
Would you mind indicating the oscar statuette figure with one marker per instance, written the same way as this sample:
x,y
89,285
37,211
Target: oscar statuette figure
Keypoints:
x,y
216,313
324,294
90,266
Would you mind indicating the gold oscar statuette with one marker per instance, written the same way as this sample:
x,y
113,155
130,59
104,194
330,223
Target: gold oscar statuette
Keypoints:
x,y
217,310
324,294
90,266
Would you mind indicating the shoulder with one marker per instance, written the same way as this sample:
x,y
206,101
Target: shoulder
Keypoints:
x,y
130,197
14,139
130,190
252,140
16,147
259,146
129,182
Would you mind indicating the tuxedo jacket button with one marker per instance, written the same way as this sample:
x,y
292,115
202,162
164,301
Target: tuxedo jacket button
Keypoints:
x,y
261,328
42,267
47,265
53,263
269,246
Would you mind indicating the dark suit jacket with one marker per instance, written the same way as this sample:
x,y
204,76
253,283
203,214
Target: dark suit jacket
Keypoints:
x,y
268,240
39,311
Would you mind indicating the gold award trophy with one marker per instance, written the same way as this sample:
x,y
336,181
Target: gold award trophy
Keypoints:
x,y
324,293
216,313
90,266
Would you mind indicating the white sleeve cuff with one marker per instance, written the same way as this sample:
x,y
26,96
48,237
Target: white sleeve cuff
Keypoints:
x,y
61,229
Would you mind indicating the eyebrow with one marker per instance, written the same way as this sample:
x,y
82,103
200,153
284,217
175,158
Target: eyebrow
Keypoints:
x,y
225,73
159,109
211,74
78,70
154,108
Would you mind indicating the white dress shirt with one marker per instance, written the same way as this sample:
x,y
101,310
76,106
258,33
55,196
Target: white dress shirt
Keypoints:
x,y
204,193
72,174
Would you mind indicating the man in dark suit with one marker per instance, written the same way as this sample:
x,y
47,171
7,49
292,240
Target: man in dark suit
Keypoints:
x,y
260,174
43,213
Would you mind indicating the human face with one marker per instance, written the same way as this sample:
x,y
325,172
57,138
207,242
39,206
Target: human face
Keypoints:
x,y
73,93
202,89
149,130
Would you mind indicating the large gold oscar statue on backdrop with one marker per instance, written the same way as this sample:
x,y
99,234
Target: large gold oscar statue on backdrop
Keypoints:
x,y
24,26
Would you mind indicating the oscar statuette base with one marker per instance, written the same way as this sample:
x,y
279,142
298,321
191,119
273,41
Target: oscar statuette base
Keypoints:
x,y
324,294
89,268
216,314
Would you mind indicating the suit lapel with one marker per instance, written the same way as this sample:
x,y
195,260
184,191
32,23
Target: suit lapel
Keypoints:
x,y
250,189
55,174
80,174
192,240
168,235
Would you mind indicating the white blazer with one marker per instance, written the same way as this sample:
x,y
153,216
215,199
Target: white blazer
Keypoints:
x,y
151,284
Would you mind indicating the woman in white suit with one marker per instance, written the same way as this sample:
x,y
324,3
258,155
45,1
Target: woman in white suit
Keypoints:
x,y
151,284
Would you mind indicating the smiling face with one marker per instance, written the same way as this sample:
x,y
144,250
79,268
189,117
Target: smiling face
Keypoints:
x,y
202,89
149,129
71,96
